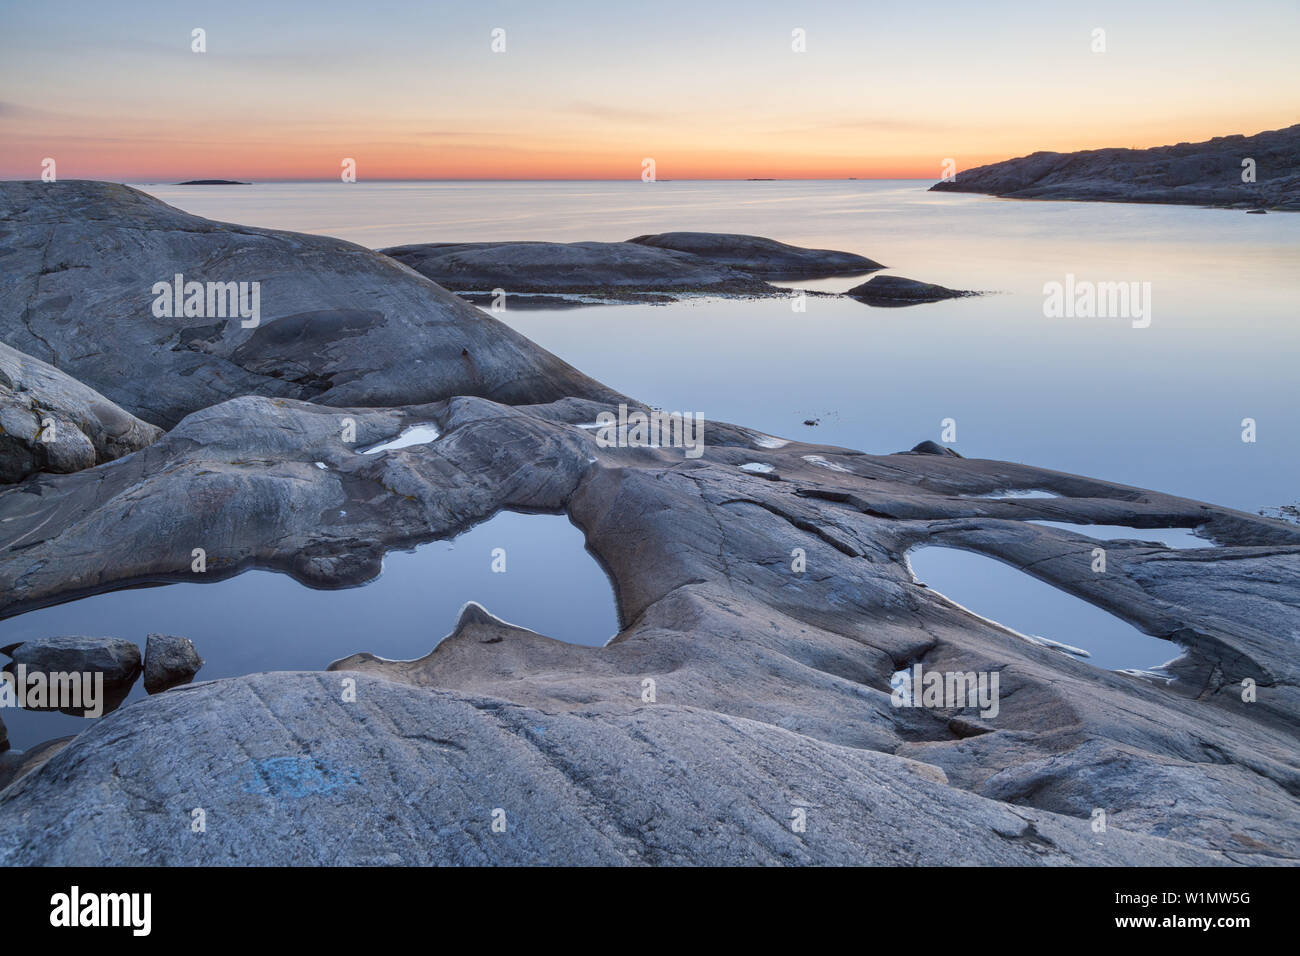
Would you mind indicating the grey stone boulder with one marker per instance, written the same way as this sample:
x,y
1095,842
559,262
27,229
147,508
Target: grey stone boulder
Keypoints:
x,y
51,422
117,659
168,662
762,257
893,291
339,324
1202,174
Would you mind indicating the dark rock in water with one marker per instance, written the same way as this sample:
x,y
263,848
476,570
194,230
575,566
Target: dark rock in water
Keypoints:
x,y
1256,212
117,659
1199,174
644,269
168,662
758,256
77,291
51,422
610,269
898,291
931,448
4,736
812,422
15,765
213,182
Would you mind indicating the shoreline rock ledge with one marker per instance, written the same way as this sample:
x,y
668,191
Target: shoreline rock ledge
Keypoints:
x,y
743,692
652,268
1199,174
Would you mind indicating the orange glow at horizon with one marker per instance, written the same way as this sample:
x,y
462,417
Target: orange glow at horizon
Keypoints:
x,y
708,91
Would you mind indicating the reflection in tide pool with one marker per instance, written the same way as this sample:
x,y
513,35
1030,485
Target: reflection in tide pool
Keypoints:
x,y
1001,593
1177,538
263,621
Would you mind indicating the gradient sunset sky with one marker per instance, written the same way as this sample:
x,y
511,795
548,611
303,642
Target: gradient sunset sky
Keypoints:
x,y
710,90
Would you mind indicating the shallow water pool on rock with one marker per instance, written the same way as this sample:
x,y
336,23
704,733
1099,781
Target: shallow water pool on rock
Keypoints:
x,y
1177,538
265,621
1001,593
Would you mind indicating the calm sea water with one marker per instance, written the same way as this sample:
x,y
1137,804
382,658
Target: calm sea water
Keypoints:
x,y
1159,407
544,579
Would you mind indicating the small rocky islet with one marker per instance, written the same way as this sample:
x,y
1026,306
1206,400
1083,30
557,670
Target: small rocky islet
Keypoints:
x,y
740,691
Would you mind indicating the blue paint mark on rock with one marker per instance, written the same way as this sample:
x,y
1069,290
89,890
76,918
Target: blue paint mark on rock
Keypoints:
x,y
298,777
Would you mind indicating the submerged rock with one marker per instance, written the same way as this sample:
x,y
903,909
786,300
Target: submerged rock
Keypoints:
x,y
1200,174
168,662
898,291
51,422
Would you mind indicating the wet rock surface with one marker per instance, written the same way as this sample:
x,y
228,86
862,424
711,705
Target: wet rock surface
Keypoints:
x,y
1201,174
749,688
51,422
169,661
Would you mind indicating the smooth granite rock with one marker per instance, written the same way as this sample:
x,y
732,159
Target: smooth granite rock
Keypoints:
x,y
1199,174
647,268
607,270
892,291
758,256
15,764
338,324
51,422
169,661
742,715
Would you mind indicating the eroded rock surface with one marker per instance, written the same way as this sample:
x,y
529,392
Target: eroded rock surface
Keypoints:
x,y
1202,174
763,613
747,657
49,421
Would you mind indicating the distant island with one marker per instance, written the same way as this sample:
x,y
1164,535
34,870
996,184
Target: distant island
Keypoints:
x,y
213,182
1241,172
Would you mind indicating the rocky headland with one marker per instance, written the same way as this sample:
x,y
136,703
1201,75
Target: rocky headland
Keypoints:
x,y
744,689
1246,172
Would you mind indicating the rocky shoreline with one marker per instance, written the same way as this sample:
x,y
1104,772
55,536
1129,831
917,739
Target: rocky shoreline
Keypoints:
x,y
1255,173
763,609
